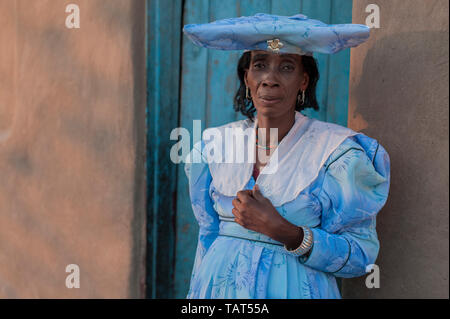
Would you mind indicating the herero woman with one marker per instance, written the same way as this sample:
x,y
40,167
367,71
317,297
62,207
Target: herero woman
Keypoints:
x,y
286,227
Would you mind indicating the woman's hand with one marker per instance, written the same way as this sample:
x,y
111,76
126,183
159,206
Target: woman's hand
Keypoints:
x,y
255,212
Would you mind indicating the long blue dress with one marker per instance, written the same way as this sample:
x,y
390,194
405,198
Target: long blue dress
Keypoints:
x,y
340,203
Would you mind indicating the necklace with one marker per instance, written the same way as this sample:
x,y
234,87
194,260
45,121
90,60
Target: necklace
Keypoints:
x,y
264,147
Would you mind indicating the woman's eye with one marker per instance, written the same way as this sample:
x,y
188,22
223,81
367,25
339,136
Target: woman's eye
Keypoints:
x,y
258,65
288,67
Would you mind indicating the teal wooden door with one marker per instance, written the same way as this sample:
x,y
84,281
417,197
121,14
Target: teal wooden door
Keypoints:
x,y
189,83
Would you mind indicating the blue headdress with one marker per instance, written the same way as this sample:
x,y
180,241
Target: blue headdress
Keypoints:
x,y
280,34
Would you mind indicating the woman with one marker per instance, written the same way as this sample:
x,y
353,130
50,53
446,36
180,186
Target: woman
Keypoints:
x,y
302,210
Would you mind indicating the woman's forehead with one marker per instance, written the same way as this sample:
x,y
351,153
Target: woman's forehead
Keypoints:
x,y
266,54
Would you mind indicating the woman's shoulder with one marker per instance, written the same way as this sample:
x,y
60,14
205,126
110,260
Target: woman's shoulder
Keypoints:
x,y
352,143
359,146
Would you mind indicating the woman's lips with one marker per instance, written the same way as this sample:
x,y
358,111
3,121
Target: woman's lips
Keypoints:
x,y
270,100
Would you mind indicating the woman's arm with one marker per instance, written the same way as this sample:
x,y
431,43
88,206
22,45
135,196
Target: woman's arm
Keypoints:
x,y
199,181
352,194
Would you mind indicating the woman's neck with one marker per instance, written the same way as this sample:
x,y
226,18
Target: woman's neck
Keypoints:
x,y
283,123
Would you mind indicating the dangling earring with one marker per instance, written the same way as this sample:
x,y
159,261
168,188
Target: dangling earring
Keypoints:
x,y
247,96
301,99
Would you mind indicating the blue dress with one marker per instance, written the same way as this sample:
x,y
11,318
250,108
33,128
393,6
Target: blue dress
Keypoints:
x,y
339,204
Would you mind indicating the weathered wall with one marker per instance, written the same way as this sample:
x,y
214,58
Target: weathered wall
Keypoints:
x,y
399,95
72,130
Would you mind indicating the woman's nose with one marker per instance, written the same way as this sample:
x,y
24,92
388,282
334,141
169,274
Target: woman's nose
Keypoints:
x,y
270,83
270,79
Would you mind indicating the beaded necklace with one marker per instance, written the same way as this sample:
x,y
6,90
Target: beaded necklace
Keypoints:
x,y
262,146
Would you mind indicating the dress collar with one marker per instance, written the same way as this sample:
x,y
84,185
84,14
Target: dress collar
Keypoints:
x,y
294,164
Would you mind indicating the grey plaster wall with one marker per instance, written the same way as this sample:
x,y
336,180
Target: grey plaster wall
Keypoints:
x,y
399,95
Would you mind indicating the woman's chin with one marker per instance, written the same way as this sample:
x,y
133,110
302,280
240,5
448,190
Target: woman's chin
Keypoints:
x,y
269,110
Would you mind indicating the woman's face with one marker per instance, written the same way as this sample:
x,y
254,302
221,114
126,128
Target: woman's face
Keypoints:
x,y
274,81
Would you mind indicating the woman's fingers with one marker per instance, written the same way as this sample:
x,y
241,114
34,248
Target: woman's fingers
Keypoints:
x,y
236,203
244,196
256,193
237,216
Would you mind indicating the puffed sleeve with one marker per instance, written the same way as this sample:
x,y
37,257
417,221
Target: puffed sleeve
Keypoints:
x,y
355,188
199,177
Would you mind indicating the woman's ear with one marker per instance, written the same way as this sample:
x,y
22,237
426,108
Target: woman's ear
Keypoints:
x,y
245,77
305,81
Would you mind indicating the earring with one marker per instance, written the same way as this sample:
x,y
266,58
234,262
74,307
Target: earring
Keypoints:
x,y
247,96
301,100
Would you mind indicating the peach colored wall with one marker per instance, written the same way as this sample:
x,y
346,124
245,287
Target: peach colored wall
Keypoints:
x,y
72,149
399,95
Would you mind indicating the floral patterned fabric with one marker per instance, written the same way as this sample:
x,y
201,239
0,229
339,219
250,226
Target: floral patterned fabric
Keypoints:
x,y
340,206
